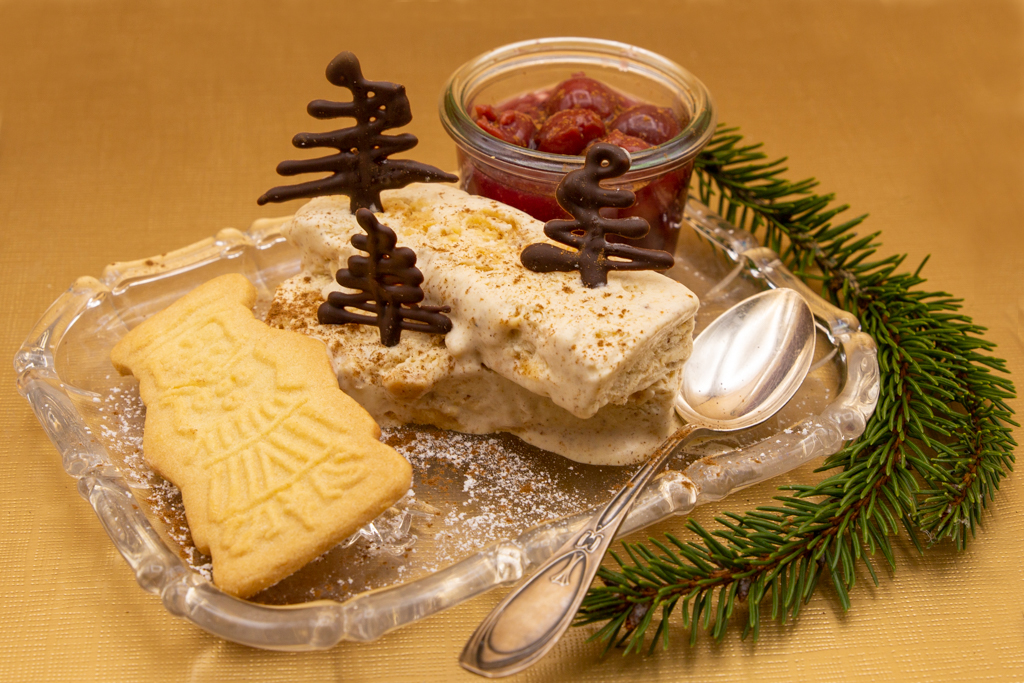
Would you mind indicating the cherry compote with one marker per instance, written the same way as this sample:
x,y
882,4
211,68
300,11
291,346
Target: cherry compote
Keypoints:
x,y
523,115
567,119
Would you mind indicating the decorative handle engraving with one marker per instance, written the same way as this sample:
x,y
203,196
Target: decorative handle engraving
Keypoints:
x,y
564,577
589,541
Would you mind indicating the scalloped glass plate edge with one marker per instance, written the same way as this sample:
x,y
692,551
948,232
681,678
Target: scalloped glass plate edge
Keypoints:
x,y
367,616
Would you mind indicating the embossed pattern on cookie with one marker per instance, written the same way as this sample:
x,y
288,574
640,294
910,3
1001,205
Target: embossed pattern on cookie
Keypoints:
x,y
275,464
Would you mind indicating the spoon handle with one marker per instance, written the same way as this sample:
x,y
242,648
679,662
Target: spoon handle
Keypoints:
x,y
531,619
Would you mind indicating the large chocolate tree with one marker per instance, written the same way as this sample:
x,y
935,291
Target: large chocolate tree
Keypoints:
x,y
361,168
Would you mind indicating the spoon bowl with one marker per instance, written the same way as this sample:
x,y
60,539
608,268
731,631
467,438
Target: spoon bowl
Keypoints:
x,y
748,363
743,369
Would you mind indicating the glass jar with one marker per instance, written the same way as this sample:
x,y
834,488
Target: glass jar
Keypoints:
x,y
526,178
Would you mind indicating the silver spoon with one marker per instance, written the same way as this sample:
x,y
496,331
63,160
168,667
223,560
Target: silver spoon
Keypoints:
x,y
744,367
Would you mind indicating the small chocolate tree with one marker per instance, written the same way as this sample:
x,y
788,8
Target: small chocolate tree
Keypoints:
x,y
361,168
581,194
388,284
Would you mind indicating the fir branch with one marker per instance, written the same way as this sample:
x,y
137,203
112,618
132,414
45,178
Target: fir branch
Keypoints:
x,y
931,457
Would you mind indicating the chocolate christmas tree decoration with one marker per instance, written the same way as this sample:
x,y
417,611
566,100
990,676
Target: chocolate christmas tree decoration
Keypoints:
x,y
389,287
361,168
581,195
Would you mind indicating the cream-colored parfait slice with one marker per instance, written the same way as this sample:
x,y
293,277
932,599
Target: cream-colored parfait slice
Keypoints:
x,y
581,348
419,381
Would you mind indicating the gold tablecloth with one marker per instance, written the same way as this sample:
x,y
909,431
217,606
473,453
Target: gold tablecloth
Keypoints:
x,y
130,129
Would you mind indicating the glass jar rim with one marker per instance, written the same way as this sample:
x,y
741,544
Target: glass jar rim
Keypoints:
x,y
476,142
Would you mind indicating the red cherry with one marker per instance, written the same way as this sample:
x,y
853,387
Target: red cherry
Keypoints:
x,y
580,92
626,142
510,126
529,103
569,131
484,111
649,123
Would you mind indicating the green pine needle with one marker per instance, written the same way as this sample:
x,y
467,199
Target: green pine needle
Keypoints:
x,y
931,457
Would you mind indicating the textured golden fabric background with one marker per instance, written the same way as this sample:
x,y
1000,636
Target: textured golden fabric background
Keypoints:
x,y
129,129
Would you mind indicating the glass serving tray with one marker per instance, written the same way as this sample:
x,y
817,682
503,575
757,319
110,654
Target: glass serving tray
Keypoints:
x,y
484,508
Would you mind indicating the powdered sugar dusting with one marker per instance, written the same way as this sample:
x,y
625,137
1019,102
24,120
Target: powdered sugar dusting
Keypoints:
x,y
121,416
469,491
120,428
488,488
